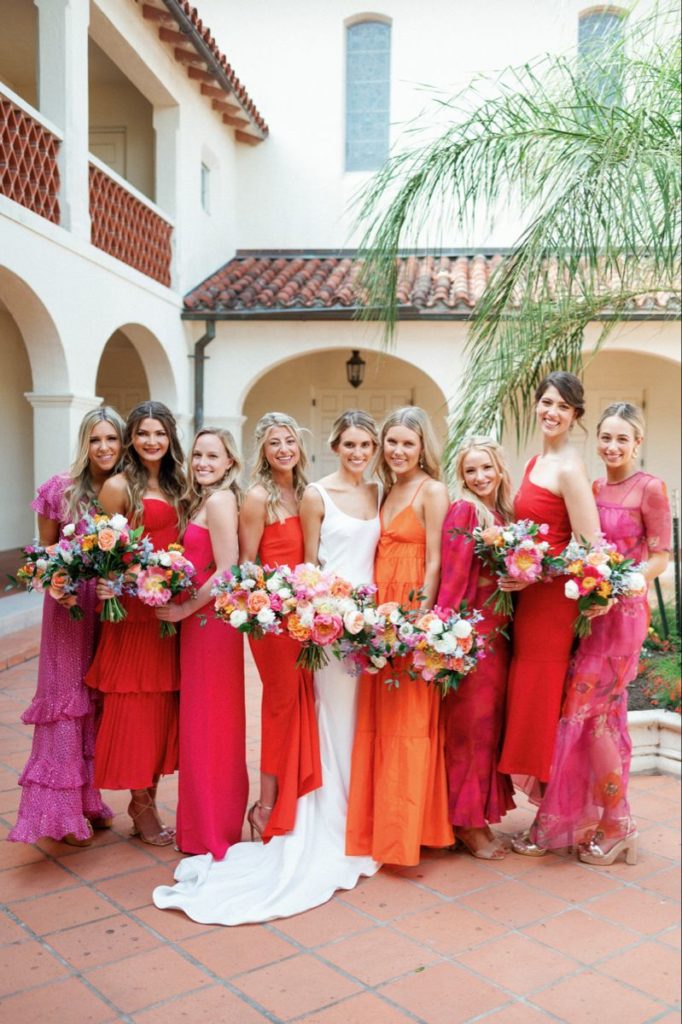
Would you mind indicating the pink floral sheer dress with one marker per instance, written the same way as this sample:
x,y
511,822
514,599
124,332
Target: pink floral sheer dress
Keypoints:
x,y
587,790
58,793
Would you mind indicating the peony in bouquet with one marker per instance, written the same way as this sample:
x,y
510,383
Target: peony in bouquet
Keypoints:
x,y
516,550
57,568
447,647
389,634
111,550
598,573
253,598
165,574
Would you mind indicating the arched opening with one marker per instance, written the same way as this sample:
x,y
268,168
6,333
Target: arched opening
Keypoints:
x,y
314,390
121,378
16,456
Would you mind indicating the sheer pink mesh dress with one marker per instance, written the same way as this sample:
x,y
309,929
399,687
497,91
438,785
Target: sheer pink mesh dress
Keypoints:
x,y
58,793
589,776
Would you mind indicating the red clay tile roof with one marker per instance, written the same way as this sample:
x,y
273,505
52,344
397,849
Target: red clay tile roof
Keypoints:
x,y
325,284
218,75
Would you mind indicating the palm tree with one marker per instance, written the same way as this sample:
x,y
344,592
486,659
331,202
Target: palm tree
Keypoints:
x,y
589,146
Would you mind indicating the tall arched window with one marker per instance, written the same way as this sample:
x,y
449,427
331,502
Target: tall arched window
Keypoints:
x,y
368,65
601,31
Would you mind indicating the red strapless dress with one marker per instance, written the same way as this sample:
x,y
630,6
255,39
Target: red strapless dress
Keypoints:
x,y
213,786
290,747
542,642
138,673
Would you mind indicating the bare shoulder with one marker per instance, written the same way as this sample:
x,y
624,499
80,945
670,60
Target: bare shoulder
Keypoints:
x,y
435,490
255,497
221,503
572,469
116,484
312,499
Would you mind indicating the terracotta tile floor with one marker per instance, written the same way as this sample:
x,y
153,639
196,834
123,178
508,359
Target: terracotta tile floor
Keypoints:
x,y
453,940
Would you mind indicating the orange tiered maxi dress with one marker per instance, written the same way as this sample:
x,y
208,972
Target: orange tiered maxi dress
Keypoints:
x,y
398,797
290,746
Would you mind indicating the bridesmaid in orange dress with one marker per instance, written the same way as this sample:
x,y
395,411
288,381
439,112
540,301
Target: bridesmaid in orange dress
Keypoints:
x,y
398,797
554,490
136,669
270,530
213,785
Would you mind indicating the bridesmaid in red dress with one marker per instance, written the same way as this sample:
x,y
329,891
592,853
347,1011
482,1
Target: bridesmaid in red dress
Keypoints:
x,y
270,530
213,785
478,793
136,669
554,490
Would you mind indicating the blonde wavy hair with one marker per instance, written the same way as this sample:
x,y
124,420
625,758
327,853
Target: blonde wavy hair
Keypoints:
x,y
262,471
195,493
80,493
172,479
503,496
353,418
632,414
414,418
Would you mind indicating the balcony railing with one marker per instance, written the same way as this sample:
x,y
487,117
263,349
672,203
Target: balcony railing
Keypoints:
x,y
127,225
29,146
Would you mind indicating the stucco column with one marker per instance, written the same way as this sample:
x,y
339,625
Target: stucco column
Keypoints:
x,y
167,163
56,419
63,98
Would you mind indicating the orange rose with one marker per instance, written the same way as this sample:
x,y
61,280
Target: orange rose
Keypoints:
x,y
340,588
59,581
257,600
490,535
297,630
106,539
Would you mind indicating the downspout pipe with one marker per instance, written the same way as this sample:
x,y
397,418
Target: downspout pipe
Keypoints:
x,y
200,358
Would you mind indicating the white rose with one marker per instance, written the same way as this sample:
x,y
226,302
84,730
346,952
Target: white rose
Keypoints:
x,y
274,584
265,616
462,629
508,536
353,622
527,544
395,617
67,556
371,616
248,584
446,644
306,614
378,660
238,618
605,571
41,563
118,522
571,590
69,530
164,559
284,593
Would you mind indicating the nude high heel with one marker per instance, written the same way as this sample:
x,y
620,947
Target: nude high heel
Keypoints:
x,y
256,830
592,852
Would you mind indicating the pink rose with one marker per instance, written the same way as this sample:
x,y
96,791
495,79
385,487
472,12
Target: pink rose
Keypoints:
x,y
326,629
106,539
354,622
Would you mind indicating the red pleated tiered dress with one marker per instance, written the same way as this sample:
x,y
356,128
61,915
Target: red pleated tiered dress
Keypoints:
x,y
138,673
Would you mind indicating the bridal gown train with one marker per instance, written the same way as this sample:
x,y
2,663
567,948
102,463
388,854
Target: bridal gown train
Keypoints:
x,y
302,869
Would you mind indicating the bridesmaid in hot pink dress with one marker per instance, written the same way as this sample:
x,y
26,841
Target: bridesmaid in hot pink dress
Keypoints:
x,y
213,784
59,798
478,793
586,799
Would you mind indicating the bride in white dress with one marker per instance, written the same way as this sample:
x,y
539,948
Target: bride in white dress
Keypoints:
x,y
295,872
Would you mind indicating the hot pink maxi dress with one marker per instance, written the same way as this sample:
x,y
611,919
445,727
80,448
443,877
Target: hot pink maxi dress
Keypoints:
x,y
57,782
474,713
213,784
589,777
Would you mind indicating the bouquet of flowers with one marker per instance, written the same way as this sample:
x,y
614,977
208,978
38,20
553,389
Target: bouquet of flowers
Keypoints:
x,y
324,602
253,598
598,574
57,568
516,550
165,574
447,647
110,549
387,633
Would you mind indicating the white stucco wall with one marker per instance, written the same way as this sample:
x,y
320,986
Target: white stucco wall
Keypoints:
x,y
16,453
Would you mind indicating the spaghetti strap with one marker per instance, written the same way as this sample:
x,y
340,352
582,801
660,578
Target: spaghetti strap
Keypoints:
x,y
414,496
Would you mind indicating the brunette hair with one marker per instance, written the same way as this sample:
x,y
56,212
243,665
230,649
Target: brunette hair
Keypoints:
x,y
80,492
353,418
414,418
171,474
196,494
628,412
262,471
503,496
569,387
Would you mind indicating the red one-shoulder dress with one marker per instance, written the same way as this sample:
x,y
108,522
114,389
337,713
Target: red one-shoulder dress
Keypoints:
x,y
290,746
542,642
